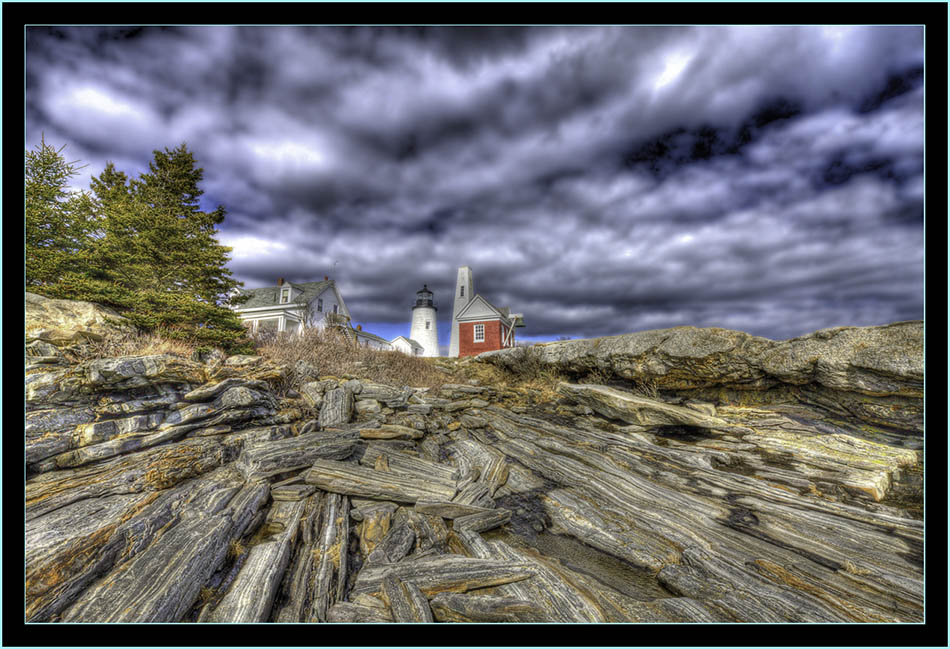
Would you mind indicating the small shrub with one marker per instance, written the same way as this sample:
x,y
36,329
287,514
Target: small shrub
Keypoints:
x,y
236,549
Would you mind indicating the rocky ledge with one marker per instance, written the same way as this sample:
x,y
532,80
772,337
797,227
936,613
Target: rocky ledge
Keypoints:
x,y
166,490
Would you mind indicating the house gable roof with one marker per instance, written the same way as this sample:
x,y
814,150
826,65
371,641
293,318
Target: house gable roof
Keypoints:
x,y
270,295
412,343
366,334
480,309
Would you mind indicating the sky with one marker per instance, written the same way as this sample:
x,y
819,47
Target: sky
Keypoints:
x,y
599,180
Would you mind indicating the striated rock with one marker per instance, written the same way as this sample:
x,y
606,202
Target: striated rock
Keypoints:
x,y
162,581
337,407
356,613
432,535
68,548
457,391
443,573
330,563
251,595
298,580
873,362
243,361
355,480
626,406
375,518
50,432
396,544
313,393
292,491
487,466
449,510
390,431
104,439
740,480
392,397
456,607
295,453
559,600
41,351
367,407
483,521
210,391
409,464
150,470
139,371
406,601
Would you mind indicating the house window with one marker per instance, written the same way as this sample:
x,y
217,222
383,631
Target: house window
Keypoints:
x,y
427,324
268,325
336,308
462,294
320,305
479,333
284,295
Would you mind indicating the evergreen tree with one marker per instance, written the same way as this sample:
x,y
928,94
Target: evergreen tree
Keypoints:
x,y
57,221
155,255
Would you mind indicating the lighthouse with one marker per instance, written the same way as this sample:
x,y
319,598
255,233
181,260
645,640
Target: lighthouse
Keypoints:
x,y
464,292
423,329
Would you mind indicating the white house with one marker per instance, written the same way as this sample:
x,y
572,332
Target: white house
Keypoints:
x,y
291,307
366,339
407,346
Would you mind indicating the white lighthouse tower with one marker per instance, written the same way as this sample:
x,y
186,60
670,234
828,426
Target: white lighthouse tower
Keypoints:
x,y
423,329
464,292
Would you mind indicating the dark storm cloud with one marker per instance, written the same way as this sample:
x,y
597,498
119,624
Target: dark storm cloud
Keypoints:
x,y
599,180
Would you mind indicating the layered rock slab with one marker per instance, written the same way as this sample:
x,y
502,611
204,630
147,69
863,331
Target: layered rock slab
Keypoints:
x,y
862,366
161,582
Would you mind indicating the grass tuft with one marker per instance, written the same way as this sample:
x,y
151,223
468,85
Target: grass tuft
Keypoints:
x,y
236,549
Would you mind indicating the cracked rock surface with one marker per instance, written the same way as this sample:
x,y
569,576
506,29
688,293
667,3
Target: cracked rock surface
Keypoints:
x,y
164,490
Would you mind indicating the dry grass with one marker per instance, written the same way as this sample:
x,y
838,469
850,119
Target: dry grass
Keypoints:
x,y
130,342
526,364
206,594
598,376
316,353
647,388
522,371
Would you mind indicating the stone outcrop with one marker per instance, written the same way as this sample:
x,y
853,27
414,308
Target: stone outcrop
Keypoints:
x,y
62,322
874,374
165,490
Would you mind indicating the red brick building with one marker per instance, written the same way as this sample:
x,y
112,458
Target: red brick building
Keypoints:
x,y
483,327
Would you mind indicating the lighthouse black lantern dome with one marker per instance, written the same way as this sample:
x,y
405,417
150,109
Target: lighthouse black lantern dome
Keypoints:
x,y
424,298
424,329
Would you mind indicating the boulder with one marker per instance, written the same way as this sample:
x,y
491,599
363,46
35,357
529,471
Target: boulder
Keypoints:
x,y
876,360
140,371
62,322
868,364
635,409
